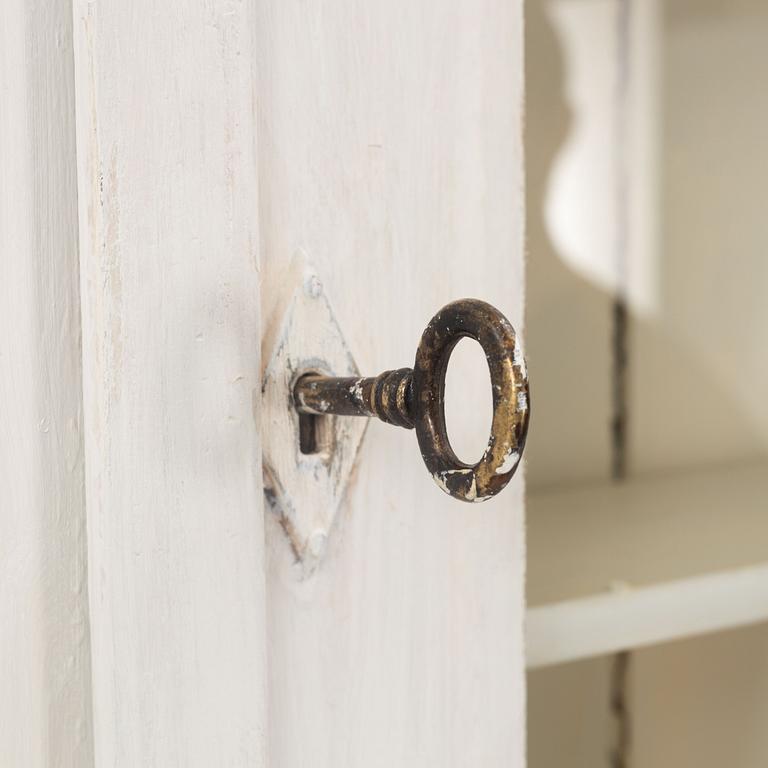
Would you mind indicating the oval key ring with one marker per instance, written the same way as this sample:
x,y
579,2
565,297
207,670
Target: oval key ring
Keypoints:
x,y
511,401
416,398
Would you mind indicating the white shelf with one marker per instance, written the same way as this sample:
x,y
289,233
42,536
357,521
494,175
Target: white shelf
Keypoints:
x,y
620,566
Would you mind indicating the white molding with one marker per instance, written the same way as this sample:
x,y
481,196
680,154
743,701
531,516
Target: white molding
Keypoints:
x,y
652,559
45,700
633,618
166,141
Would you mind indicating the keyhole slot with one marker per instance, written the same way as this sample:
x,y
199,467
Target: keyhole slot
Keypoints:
x,y
309,437
315,433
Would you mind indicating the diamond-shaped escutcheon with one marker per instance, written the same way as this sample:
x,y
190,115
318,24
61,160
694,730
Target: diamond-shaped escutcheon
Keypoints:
x,y
306,484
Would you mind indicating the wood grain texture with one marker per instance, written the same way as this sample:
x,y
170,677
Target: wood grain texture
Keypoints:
x,y
44,646
169,272
390,152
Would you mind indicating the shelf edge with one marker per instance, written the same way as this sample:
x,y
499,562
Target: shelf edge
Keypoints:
x,y
593,626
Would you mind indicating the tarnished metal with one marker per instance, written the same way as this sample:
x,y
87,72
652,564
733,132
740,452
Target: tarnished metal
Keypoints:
x,y
416,398
387,396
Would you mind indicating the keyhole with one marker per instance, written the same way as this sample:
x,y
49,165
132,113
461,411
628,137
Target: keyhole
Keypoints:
x,y
309,428
315,433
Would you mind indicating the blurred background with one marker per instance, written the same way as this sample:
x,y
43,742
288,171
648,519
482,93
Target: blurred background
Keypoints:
x,y
647,333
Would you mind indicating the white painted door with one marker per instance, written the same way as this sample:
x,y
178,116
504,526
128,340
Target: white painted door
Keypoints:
x,y
169,162
390,153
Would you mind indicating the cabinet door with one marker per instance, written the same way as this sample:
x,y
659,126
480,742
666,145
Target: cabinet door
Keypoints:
x,y
171,163
390,157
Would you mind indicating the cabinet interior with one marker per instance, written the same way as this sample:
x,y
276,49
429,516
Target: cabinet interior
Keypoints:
x,y
646,331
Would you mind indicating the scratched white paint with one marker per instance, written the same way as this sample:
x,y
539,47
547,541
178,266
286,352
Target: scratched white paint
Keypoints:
x,y
512,458
44,651
390,152
170,307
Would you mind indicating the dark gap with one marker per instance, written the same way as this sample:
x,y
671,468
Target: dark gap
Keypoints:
x,y
315,433
620,668
308,433
621,716
619,418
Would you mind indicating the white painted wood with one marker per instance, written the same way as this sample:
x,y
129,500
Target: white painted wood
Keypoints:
x,y
591,180
390,152
306,490
45,699
169,269
600,204
614,567
634,618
